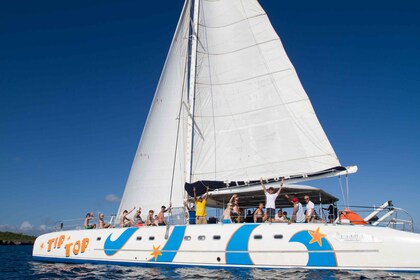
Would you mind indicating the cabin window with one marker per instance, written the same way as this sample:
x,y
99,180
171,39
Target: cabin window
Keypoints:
x,y
201,237
258,236
187,238
98,238
278,236
151,238
216,237
138,238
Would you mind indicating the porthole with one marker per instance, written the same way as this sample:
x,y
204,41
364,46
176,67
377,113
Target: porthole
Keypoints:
x,y
98,238
201,237
258,236
138,238
278,236
216,237
151,238
187,238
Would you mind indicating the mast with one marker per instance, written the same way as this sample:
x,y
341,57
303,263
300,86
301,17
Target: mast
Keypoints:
x,y
191,92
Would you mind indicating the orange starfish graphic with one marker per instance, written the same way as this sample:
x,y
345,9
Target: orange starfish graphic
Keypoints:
x,y
316,236
156,252
42,246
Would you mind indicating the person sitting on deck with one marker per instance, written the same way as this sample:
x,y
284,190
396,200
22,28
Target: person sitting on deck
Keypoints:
x,y
150,220
298,215
249,217
137,218
226,214
200,207
259,213
102,223
161,216
89,216
125,221
280,217
270,205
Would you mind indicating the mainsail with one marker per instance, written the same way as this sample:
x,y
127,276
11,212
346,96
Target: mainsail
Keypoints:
x,y
235,111
253,113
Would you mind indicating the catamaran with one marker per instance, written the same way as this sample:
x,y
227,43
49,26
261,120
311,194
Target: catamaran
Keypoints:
x,y
230,109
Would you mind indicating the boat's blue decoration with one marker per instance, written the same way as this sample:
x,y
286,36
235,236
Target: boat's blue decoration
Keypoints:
x,y
320,253
172,245
237,248
112,247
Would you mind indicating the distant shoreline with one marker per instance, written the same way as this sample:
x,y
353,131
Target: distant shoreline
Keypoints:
x,y
14,239
15,243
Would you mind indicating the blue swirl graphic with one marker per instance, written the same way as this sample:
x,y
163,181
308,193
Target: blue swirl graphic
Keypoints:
x,y
112,247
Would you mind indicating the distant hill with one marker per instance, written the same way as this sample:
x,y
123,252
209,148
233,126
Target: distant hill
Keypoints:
x,y
11,238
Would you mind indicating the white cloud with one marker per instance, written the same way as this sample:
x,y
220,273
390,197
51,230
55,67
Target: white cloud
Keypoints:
x,y
112,198
26,226
43,228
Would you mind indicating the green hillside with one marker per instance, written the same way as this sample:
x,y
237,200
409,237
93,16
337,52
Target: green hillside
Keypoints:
x,y
11,236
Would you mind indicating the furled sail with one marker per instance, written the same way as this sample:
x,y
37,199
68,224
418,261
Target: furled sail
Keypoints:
x,y
254,117
158,167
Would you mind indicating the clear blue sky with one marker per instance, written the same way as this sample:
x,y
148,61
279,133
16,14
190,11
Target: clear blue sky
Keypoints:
x,y
77,79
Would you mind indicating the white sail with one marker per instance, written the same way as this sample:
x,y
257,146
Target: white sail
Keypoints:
x,y
157,174
254,117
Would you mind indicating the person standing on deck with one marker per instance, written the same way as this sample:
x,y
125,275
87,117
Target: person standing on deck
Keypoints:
x,y
270,205
310,210
200,207
298,215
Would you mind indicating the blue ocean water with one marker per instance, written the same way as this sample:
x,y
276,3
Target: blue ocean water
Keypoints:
x,y
16,263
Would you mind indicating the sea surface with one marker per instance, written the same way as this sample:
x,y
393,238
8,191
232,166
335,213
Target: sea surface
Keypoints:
x,y
16,263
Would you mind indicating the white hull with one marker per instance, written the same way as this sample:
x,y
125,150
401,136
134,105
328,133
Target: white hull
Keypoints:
x,y
311,246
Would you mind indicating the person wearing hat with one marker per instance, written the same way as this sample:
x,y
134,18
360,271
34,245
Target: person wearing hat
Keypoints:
x,y
298,215
200,207
161,216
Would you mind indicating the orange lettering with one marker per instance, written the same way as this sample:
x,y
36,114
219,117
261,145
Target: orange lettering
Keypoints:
x,y
68,246
60,242
50,242
85,243
76,247
55,243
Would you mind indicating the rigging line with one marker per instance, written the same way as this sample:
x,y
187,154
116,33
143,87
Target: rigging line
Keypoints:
x,y
348,193
211,97
342,191
195,85
179,124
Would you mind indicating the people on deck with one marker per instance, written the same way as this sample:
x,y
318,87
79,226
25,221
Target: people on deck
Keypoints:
x,y
298,215
270,205
259,213
137,218
200,207
125,221
226,218
280,217
310,210
89,216
249,217
332,211
161,216
287,219
150,220
234,200
102,223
